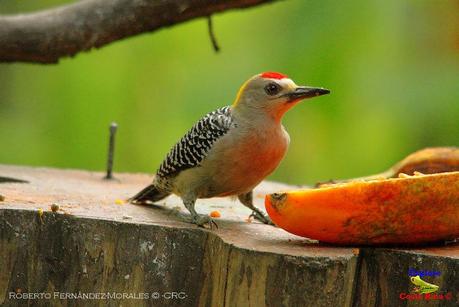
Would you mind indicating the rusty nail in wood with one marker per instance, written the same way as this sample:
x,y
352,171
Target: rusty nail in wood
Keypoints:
x,y
111,150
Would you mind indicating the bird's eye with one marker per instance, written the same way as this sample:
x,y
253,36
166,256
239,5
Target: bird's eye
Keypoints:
x,y
272,89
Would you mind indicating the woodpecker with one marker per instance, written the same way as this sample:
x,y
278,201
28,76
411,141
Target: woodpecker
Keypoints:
x,y
229,151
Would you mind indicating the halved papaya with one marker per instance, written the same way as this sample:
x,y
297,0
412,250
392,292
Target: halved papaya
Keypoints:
x,y
430,160
413,209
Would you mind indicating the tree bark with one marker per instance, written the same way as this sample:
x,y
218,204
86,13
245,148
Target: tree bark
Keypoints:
x,y
92,244
47,36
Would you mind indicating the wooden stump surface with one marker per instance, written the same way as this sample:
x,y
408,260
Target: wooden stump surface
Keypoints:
x,y
96,244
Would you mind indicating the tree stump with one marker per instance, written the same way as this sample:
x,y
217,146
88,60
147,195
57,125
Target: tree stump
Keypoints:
x,y
96,250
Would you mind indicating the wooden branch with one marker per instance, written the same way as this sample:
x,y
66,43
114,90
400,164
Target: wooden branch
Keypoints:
x,y
47,36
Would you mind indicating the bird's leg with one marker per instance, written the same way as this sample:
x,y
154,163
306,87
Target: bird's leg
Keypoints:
x,y
200,220
247,200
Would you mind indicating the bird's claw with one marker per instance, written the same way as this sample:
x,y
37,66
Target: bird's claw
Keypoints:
x,y
261,217
199,220
202,220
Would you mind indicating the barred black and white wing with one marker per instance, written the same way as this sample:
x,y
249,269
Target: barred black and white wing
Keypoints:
x,y
196,143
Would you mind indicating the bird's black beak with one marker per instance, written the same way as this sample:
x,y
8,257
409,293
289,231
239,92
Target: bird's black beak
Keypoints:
x,y
303,92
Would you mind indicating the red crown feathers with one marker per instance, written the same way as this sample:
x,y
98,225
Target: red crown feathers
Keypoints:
x,y
273,75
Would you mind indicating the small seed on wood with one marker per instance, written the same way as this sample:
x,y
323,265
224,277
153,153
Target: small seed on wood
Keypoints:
x,y
40,215
215,213
119,202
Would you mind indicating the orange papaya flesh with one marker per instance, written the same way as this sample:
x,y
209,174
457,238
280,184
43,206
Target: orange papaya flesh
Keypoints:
x,y
412,210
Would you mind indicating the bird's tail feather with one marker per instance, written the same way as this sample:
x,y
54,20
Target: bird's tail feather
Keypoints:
x,y
150,193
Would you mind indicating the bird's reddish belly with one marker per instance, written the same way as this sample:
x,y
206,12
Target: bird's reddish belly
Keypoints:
x,y
246,166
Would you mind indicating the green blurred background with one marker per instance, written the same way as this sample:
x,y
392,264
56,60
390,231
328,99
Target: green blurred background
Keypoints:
x,y
392,66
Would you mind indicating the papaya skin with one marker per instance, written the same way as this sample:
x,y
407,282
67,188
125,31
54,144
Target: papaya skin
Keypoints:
x,y
431,160
412,210
428,161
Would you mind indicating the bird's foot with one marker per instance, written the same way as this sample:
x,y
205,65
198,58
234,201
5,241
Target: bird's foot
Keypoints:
x,y
203,221
260,216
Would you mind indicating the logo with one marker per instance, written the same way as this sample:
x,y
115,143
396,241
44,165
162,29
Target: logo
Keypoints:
x,y
413,272
422,286
422,289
